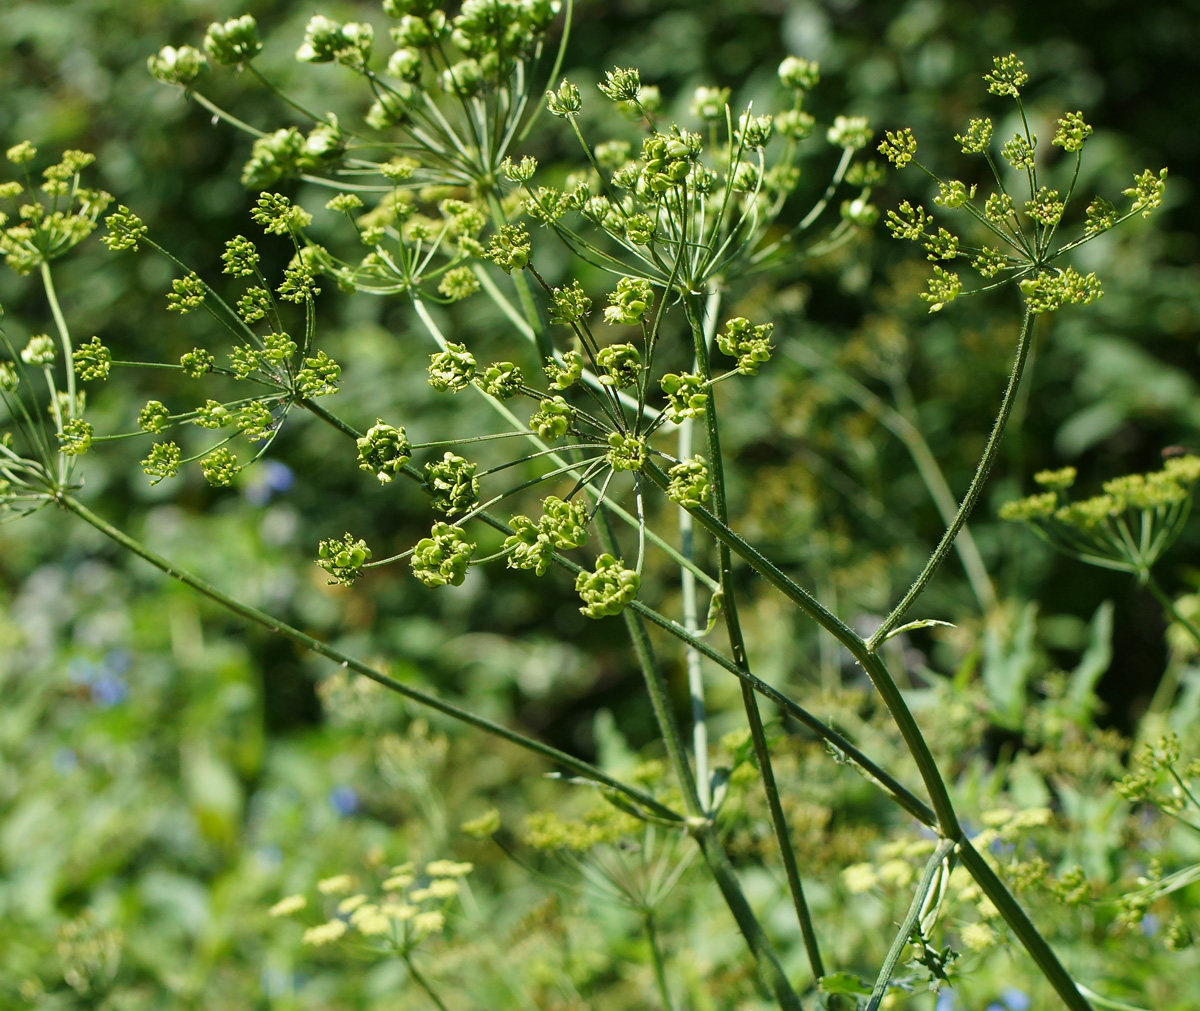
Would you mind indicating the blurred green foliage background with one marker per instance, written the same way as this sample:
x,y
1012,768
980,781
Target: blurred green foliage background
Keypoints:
x,y
166,774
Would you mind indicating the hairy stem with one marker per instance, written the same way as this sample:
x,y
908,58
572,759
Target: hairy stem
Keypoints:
x,y
973,491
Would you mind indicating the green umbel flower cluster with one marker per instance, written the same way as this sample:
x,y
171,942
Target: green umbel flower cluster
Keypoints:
x,y
749,344
441,559
553,419
532,545
619,364
689,483
1127,528
1021,245
451,484
384,451
687,396
452,370
343,558
609,589
92,360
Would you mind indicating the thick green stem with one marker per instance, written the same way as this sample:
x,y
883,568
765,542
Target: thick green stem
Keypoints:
x,y
738,648
976,487
253,614
64,335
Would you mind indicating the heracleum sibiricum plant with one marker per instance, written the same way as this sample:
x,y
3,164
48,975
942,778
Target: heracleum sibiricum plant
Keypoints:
x,y
603,385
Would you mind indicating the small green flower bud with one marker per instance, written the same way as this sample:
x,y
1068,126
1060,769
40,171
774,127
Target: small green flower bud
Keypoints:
x,y
519,173
22,153
326,41
749,344
451,484
465,79
795,124
753,131
1007,76
187,294
39,350
565,375
235,41
405,63
343,558
899,148
1101,216
565,102
299,284
220,467
213,414
991,261
527,547
607,590
1019,153
1035,507
1147,191
240,257
564,523
908,222
384,451
953,194
1071,132
860,212
254,304
319,377
620,364
977,137
177,66
799,74
125,229
459,283
277,348
633,297
278,215
709,104
1045,208
850,132
621,85
508,249
451,370
1059,480
196,362
612,154
92,360
944,287
502,380
689,485
9,380
569,305
153,417
686,396
344,203
255,421
163,461
442,558
998,208
553,418
626,452
75,439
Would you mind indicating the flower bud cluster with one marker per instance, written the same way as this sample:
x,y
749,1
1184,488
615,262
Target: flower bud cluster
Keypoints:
x,y
607,590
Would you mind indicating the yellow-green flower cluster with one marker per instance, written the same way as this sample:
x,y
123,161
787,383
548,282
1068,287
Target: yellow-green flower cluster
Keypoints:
x,y
399,912
1127,528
